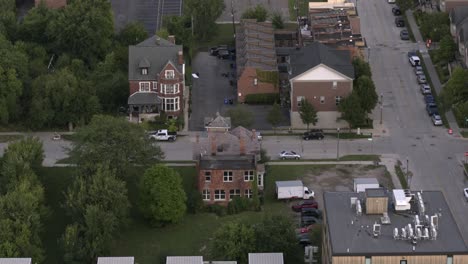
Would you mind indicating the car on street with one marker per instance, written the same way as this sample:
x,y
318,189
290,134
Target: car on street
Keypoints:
x,y
429,99
465,192
309,203
421,79
399,22
308,220
404,35
313,134
432,109
288,155
224,54
396,10
311,212
391,1
418,70
426,89
436,120
214,51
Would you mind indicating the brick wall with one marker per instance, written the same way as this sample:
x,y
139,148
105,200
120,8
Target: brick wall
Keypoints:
x,y
218,183
245,85
312,91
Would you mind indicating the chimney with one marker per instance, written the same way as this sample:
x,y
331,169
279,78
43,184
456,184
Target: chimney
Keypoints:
x,y
241,145
213,146
180,57
171,39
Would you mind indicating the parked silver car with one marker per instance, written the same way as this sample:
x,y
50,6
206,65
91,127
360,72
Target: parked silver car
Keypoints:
x,y
421,79
418,70
289,155
426,89
436,120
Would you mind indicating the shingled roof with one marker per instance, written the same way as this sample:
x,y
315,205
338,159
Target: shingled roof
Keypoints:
x,y
153,53
457,15
218,122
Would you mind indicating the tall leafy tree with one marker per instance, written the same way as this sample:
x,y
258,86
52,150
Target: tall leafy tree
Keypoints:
x,y
275,116
447,50
115,141
84,21
456,89
233,241
361,68
162,195
241,116
258,12
11,88
34,25
365,89
8,25
204,13
133,33
352,111
308,113
277,20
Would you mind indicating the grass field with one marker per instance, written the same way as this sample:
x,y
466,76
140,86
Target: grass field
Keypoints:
x,y
148,244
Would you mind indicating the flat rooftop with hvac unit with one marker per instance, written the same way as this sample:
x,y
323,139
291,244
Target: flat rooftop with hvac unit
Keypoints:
x,y
391,227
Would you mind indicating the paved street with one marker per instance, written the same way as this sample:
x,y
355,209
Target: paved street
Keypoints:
x,y
433,155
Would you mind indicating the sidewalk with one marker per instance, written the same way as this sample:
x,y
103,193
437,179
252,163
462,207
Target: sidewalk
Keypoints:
x,y
430,68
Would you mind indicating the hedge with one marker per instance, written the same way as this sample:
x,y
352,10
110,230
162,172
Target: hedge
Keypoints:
x,y
266,98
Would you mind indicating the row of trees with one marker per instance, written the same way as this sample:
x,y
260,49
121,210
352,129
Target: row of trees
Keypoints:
x,y
455,95
59,67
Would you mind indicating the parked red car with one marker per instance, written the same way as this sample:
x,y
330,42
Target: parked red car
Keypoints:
x,y
309,203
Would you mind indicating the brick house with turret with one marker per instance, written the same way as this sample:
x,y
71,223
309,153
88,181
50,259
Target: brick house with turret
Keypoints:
x,y
156,71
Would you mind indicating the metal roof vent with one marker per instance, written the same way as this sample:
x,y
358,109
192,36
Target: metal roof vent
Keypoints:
x,y
358,207
376,230
395,233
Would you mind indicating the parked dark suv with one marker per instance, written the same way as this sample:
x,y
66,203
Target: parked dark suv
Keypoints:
x,y
399,22
396,11
309,203
313,134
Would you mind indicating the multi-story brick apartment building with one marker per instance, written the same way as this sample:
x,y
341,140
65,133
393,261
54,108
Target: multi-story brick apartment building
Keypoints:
x,y
397,227
227,164
156,74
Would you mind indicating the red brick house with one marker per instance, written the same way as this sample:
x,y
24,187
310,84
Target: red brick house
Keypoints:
x,y
227,165
156,77
322,76
52,3
257,71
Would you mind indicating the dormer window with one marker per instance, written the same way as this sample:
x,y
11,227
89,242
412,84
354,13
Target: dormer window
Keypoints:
x,y
169,74
144,71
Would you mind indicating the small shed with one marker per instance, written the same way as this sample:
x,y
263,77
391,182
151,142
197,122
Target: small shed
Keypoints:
x,y
361,184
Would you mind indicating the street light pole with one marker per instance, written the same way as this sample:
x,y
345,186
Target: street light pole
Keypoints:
x,y
338,145
381,107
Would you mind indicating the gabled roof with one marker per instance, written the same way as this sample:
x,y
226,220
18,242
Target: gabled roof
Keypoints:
x,y
218,122
266,258
457,15
144,98
310,56
15,261
153,53
184,260
116,260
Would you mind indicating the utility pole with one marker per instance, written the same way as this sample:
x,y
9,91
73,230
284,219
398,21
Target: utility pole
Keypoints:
x,y
233,22
191,20
381,107
338,145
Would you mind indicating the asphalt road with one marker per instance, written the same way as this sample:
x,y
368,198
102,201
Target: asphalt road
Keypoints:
x,y
433,155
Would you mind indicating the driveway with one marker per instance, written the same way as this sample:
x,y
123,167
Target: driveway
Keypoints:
x,y
240,6
210,90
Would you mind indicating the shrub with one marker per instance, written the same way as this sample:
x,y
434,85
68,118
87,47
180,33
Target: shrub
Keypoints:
x,y
266,98
219,210
239,204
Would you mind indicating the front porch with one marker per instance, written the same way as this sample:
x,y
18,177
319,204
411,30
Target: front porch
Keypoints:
x,y
144,106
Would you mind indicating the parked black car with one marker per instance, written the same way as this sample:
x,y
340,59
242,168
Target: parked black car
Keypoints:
x,y
396,11
224,54
308,220
399,22
214,51
313,134
311,212
404,35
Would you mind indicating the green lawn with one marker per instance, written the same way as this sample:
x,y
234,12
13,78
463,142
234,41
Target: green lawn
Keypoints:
x,y
225,36
8,138
464,134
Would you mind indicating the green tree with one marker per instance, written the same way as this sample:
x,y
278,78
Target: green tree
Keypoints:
x,y
204,13
456,89
163,32
365,89
434,25
405,4
8,25
308,113
275,116
162,195
179,26
115,141
241,116
447,50
85,21
258,12
277,20
315,236
352,111
34,25
233,241
11,88
361,68
133,33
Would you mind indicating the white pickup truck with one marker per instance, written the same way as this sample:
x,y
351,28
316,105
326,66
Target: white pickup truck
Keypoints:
x,y
163,135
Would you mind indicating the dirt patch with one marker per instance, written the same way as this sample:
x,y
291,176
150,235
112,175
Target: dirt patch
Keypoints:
x,y
340,178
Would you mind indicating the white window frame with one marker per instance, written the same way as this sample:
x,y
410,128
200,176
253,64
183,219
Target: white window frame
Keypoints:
x,y
169,74
176,104
335,84
249,175
260,179
145,86
206,194
234,193
227,176
299,100
155,85
220,195
248,193
174,87
144,71
338,99
207,176
322,99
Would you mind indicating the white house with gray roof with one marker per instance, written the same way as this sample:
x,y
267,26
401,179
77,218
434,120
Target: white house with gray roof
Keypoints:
x,y
156,75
